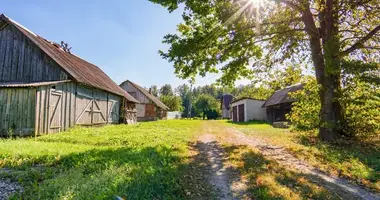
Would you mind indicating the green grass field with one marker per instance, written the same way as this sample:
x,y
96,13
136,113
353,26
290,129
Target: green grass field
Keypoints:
x,y
157,160
356,161
135,162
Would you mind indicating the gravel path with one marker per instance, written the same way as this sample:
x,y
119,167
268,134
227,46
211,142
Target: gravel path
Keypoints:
x,y
336,185
7,188
222,178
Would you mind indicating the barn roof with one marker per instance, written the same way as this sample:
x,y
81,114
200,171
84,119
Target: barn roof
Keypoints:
x,y
282,96
36,84
150,96
78,69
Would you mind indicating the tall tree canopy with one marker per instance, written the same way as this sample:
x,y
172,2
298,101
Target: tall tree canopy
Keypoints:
x,y
154,90
241,38
166,90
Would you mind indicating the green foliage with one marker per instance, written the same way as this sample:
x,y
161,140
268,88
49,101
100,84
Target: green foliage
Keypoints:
x,y
166,90
173,102
305,112
154,90
144,161
205,103
362,102
251,91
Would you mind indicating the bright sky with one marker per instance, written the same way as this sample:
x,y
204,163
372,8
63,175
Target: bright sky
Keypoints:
x,y
121,37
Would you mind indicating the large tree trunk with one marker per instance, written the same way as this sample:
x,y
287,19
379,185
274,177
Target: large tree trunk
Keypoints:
x,y
332,115
327,66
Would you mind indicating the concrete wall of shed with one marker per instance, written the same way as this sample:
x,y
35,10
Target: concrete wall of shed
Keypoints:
x,y
252,110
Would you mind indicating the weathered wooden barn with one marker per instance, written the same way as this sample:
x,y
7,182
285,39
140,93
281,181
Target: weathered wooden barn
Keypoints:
x,y
150,107
280,104
46,89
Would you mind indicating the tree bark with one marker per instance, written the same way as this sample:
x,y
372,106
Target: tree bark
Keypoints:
x,y
327,65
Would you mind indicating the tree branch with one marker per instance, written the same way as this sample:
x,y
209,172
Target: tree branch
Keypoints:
x,y
360,43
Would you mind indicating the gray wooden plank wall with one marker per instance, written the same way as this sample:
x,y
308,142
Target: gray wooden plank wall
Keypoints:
x,y
17,113
22,61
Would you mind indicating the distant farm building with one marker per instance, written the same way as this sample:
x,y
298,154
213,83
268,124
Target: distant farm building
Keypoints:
x,y
246,109
225,105
150,107
46,89
280,104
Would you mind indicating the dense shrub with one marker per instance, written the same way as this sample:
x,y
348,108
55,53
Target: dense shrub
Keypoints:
x,y
305,112
361,101
212,114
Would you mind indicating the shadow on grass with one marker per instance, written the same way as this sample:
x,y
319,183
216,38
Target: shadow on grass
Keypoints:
x,y
148,173
268,180
355,153
252,122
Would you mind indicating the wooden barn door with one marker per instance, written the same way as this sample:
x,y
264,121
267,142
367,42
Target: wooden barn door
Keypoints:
x,y
241,113
55,111
234,114
91,107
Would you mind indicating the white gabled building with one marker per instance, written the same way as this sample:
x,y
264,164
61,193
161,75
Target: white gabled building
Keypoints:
x,y
246,109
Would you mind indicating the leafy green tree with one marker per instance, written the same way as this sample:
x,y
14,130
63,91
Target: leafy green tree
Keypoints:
x,y
154,90
173,102
166,90
251,91
205,103
282,78
234,37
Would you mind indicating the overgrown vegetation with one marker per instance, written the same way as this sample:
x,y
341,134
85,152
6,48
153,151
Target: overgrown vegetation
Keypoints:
x,y
356,161
146,161
361,101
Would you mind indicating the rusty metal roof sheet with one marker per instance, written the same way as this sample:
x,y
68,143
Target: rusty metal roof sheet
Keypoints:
x,y
78,69
282,96
150,96
36,84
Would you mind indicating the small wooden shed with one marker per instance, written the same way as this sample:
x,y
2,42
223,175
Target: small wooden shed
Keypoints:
x,y
45,89
150,107
246,109
280,104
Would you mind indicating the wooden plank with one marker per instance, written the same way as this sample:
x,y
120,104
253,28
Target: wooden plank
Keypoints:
x,y
8,60
47,110
32,97
20,63
42,110
2,104
37,112
14,59
3,43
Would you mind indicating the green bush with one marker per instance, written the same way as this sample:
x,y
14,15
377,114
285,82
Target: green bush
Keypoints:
x,y
361,101
305,112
